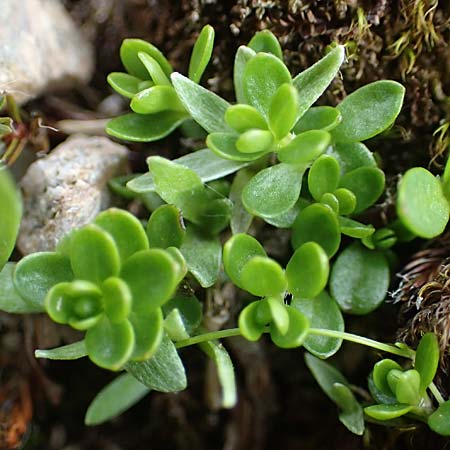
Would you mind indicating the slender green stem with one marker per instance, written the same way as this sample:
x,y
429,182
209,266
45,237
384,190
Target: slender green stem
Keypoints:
x,y
213,335
437,395
405,352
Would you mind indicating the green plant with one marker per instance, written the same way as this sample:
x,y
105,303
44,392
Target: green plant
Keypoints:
x,y
273,156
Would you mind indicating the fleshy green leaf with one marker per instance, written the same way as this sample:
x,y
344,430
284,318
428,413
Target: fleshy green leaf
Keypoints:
x,y
273,190
206,164
224,145
367,183
427,359
68,352
10,300
439,421
351,156
323,176
114,399
407,389
37,273
225,371
346,200
145,127
296,333
262,276
318,118
421,204
117,299
387,412
322,312
125,84
275,309
201,53
156,99
205,107
287,219
283,110
148,331
312,82
243,56
152,276
331,201
305,147
359,279
380,373
154,69
355,229
241,219
163,372
237,251
202,253
165,227
369,110
10,213
190,310
250,327
265,41
243,117
351,414
263,75
110,345
307,270
94,255
126,230
254,141
317,223
129,52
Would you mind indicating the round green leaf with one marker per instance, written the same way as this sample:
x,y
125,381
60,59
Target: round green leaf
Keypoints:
x,y
10,213
152,276
201,53
254,141
331,201
165,227
154,69
351,156
156,99
407,389
124,84
359,279
305,147
263,276
318,118
296,333
243,117
317,223
224,145
263,75
94,254
117,299
243,56
126,230
250,328
237,251
283,110
439,421
265,41
322,312
323,176
380,373
190,309
427,359
278,313
387,412
110,345
37,273
367,183
307,270
355,229
148,333
421,204
129,51
368,111
178,257
272,191
145,127
346,199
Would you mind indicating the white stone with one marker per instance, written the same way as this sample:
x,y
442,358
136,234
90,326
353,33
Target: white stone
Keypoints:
x,y
41,49
67,189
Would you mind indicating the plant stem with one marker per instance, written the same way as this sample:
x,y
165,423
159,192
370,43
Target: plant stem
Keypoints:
x,y
406,353
437,395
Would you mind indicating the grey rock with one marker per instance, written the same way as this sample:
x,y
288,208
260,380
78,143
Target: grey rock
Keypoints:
x,y
41,49
67,189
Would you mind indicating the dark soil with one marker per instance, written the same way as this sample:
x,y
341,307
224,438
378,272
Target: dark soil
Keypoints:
x,y
280,404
